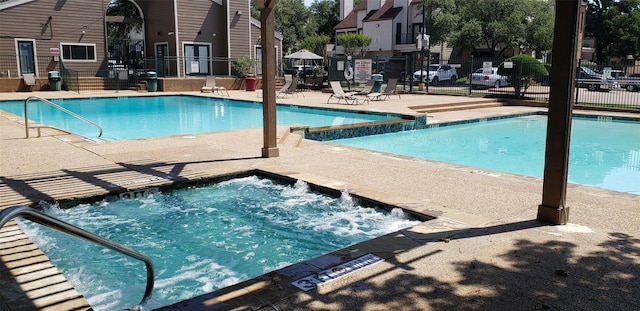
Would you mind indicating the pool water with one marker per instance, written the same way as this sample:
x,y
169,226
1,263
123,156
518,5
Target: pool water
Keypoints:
x,y
604,152
204,238
142,117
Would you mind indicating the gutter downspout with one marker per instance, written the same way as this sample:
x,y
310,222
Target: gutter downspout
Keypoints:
x,y
228,39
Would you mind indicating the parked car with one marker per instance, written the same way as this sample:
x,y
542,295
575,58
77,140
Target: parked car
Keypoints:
x,y
593,81
493,79
436,74
630,83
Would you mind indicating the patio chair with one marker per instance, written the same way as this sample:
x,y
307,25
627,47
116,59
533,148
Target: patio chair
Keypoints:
x,y
339,93
389,90
285,89
292,89
210,86
30,81
368,87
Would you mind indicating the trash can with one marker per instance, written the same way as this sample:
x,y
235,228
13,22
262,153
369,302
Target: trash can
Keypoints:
x,y
152,81
54,80
377,83
250,83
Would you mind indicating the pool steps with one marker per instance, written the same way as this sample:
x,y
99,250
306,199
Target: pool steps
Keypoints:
x,y
56,106
42,286
36,216
457,106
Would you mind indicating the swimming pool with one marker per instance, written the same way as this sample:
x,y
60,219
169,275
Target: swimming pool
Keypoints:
x,y
203,238
155,116
605,151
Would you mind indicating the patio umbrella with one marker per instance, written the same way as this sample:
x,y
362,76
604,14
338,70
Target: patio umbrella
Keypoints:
x,y
304,54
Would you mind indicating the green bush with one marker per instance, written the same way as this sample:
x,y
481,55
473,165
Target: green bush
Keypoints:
x,y
524,70
243,66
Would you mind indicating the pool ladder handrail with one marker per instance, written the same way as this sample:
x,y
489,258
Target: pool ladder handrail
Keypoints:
x,y
54,105
61,226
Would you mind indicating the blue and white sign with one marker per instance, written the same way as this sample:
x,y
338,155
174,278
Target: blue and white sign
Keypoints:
x,y
312,281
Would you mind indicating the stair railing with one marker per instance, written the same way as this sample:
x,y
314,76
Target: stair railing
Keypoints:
x,y
48,102
61,226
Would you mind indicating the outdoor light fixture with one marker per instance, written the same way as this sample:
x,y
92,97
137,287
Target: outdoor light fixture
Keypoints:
x,y
239,12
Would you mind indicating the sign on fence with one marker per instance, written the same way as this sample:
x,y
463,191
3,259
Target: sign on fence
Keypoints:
x,y
486,68
363,70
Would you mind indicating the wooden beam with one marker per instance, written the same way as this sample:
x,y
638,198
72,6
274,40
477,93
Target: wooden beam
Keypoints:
x,y
553,208
267,32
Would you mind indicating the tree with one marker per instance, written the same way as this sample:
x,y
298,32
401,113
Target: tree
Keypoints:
x,y
501,25
538,28
325,15
315,44
127,9
440,19
525,69
615,24
293,20
355,44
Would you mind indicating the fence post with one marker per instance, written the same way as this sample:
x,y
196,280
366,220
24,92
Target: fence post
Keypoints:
x,y
576,85
471,75
519,78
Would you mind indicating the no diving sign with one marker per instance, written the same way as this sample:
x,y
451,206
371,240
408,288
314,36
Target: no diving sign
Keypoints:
x,y
312,281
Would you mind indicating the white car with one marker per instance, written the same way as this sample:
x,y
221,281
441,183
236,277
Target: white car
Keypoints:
x,y
493,79
436,74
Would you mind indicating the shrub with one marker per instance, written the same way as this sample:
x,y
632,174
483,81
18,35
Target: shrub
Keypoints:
x,y
243,66
524,71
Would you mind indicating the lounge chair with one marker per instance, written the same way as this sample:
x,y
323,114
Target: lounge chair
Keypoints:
x,y
368,88
284,90
210,86
30,81
339,93
291,89
390,89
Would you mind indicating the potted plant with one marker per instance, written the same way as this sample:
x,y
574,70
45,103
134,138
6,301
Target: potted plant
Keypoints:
x,y
244,68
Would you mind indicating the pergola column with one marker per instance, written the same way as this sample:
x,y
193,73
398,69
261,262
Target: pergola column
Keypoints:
x,y
267,32
565,38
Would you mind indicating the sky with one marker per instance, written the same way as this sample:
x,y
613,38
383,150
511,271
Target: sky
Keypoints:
x,y
308,3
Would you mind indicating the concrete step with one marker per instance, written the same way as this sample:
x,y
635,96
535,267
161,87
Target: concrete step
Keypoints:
x,y
453,104
459,107
291,139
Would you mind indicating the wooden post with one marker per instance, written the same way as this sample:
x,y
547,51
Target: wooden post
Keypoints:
x,y
267,32
553,209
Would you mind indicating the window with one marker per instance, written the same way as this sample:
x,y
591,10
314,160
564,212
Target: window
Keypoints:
x,y
78,52
258,60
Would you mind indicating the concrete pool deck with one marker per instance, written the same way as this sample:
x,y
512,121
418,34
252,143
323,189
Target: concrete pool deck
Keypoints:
x,y
483,251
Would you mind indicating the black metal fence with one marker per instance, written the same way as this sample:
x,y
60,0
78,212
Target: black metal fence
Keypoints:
x,y
42,64
597,85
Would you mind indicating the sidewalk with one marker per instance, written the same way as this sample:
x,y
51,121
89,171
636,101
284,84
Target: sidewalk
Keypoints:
x,y
484,251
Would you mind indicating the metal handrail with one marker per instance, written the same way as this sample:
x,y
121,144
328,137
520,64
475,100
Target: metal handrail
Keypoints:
x,y
59,225
54,105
